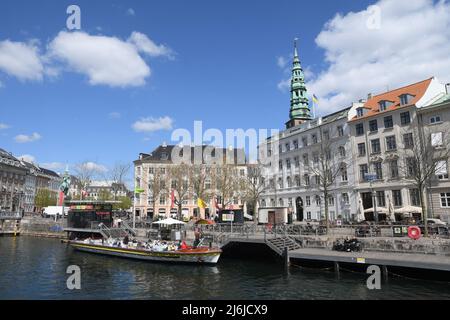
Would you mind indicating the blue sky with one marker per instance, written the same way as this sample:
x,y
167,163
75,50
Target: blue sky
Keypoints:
x,y
222,62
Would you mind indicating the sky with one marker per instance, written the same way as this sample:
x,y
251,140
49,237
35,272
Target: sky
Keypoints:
x,y
137,70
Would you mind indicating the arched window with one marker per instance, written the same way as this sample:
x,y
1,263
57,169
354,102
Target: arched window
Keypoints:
x,y
342,151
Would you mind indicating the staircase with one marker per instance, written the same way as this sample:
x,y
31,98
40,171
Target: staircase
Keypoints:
x,y
278,244
113,233
129,229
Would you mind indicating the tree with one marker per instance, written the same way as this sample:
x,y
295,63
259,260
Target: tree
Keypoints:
x,y
326,167
45,198
425,154
199,174
179,176
156,187
226,183
85,172
254,186
117,177
125,204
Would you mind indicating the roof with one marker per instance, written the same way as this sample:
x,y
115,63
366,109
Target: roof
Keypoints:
x,y
49,172
163,154
416,90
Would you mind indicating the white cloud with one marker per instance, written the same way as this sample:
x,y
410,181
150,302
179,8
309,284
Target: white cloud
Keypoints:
x,y
27,158
147,46
281,62
105,60
4,126
131,12
92,166
23,138
114,115
152,124
411,44
21,60
53,166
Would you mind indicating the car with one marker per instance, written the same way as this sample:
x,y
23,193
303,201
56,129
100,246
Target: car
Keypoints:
x,y
436,221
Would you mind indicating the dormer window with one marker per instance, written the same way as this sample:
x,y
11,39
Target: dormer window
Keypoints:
x,y
360,112
384,104
405,99
164,156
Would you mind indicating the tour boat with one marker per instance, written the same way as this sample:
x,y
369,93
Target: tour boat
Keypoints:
x,y
199,255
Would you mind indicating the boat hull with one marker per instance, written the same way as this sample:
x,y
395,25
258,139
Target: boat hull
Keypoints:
x,y
194,256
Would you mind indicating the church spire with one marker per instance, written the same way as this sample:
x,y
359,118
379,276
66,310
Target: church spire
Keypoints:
x,y
299,111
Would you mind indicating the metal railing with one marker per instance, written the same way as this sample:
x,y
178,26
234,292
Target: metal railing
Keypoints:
x,y
7,215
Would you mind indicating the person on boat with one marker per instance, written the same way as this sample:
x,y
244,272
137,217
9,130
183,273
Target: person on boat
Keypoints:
x,y
183,245
126,240
197,238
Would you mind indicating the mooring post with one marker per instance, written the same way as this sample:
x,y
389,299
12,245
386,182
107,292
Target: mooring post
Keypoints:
x,y
385,273
286,257
336,268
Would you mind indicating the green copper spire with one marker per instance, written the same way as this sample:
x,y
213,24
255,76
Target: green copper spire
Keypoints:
x,y
299,100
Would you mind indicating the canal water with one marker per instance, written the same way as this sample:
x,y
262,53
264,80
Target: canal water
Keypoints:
x,y
34,268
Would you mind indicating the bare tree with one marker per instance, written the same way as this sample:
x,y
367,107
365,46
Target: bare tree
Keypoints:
x,y
226,183
85,173
326,167
156,187
117,176
426,152
179,177
254,186
198,177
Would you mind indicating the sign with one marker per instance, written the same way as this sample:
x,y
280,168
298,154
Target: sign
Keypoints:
x,y
360,260
228,217
370,176
81,207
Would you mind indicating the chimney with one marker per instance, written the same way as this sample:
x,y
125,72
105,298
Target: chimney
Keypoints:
x,y
369,96
447,88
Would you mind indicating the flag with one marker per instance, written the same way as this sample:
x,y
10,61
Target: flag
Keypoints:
x,y
201,203
315,99
139,190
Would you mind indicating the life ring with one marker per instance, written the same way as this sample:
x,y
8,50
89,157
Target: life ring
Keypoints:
x,y
414,232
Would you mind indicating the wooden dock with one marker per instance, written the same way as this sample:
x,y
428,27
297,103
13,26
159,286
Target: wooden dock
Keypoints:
x,y
9,233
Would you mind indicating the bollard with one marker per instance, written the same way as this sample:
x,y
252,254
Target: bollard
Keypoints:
x,y
286,257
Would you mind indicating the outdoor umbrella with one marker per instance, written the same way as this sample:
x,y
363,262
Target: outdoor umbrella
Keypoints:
x,y
391,210
379,210
409,209
169,222
360,217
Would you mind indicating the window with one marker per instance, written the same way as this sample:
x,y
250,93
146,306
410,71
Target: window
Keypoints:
x,y
316,158
288,147
345,198
381,199
391,144
318,200
360,112
326,135
404,99
281,202
280,148
436,139
289,182
411,167
373,126
393,168
317,179
414,196
408,140
288,163
297,181
280,183
308,201
376,147
397,197
305,141
331,200
384,105
208,184
363,170
359,129
340,130
445,200
435,119
342,151
308,215
405,118
269,150
344,174
295,144
306,178
163,171
328,154
162,201
388,122
361,149
296,162
280,165
314,138
151,170
441,170
305,160
378,169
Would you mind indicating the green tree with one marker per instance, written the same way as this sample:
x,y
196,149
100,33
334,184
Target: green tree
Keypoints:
x,y
45,198
125,203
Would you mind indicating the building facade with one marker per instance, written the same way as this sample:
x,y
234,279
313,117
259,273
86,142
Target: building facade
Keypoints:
x,y
159,183
12,183
385,132
111,190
